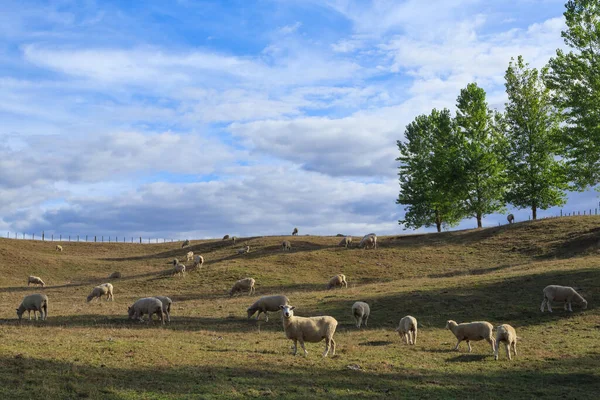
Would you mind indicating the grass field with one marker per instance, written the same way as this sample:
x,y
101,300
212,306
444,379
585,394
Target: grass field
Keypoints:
x,y
210,349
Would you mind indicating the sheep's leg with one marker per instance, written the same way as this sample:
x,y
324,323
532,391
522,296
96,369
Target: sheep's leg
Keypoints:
x,y
492,342
548,305
570,309
266,316
29,314
258,315
514,345
161,317
332,347
415,336
168,314
366,319
469,345
303,348
496,354
457,343
326,347
543,304
405,338
295,346
507,344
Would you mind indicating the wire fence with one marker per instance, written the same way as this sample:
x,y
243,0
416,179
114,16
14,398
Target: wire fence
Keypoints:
x,y
53,237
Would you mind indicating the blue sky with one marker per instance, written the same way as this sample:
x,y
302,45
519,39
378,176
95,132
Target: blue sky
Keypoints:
x,y
203,118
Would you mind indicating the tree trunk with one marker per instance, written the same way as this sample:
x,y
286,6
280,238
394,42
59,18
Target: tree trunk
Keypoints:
x,y
478,220
438,221
534,212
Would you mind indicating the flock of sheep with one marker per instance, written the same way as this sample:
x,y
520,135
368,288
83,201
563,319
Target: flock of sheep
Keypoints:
x,y
311,329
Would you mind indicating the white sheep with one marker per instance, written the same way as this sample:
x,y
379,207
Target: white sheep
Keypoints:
x,y
243,285
369,240
59,247
361,311
189,256
244,250
561,293
506,334
346,242
106,289
35,280
186,242
198,261
286,245
407,328
178,269
472,331
510,218
233,239
338,280
266,304
295,232
311,330
147,305
115,275
34,302
166,306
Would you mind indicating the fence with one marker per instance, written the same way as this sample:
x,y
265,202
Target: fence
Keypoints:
x,y
87,238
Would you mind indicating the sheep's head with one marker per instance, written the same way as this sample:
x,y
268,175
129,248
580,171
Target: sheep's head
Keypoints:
x,y
450,323
130,312
20,313
584,303
89,298
288,311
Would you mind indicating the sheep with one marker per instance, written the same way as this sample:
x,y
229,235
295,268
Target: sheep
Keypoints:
x,y
225,237
407,328
35,280
311,329
34,302
266,304
115,275
189,256
506,334
244,250
178,269
561,293
59,248
198,261
295,232
243,285
147,305
361,311
233,239
166,306
510,218
186,242
368,240
346,242
338,280
286,245
106,289
472,331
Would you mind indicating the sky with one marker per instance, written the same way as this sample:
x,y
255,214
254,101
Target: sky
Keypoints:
x,y
196,119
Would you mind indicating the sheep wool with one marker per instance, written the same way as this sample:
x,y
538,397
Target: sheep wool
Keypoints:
x,y
309,329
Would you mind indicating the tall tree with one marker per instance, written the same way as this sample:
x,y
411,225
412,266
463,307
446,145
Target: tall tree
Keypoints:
x,y
427,171
575,79
482,171
536,176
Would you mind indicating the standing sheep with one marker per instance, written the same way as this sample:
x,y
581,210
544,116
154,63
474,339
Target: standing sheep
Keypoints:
x,y
346,242
295,232
186,242
147,305
243,285
35,280
369,240
338,280
506,334
166,306
407,328
34,302
106,289
233,239
178,269
244,250
59,247
189,256
286,245
561,293
266,304
361,311
198,261
472,331
510,218
311,330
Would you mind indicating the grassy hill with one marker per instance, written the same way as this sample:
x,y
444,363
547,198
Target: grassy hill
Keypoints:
x,y
210,349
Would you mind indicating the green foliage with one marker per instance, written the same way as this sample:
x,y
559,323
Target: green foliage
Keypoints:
x,y
426,172
536,176
481,171
575,79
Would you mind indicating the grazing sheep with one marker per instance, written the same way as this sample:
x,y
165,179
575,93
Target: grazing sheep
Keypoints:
x,y
186,242
361,311
346,242
561,293
34,302
59,247
35,280
189,256
198,261
338,280
369,240
106,289
147,305
166,306
244,250
510,218
243,285
225,237
233,239
407,328
115,275
311,329
286,245
472,331
178,269
295,232
266,304
506,334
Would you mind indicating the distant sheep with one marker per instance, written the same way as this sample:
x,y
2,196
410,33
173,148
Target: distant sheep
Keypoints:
x,y
346,242
244,250
266,304
243,285
34,302
286,245
166,306
295,232
561,293
226,237
106,289
189,256
506,334
338,280
360,312
35,280
472,331
198,261
186,242
233,239
147,305
115,275
178,269
59,247
407,328
369,240
510,218
311,329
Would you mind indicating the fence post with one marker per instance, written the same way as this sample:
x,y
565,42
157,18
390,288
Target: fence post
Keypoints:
x,y
140,240
132,239
94,238
69,238
78,238
33,236
108,238
102,238
42,236
86,237
583,212
60,237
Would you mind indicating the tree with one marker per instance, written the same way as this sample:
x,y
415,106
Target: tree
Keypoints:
x,y
536,176
427,172
480,143
575,79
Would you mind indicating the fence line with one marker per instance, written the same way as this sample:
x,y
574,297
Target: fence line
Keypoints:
x,y
88,238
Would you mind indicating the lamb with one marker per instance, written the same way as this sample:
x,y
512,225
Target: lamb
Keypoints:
x,y
243,285
561,293
286,245
59,247
178,269
506,334
510,218
338,280
472,331
186,242
190,256
115,275
244,250
346,242
295,232
166,306
35,280
407,328
368,240
147,305
198,261
266,304
311,329
225,237
34,302
361,311
106,289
